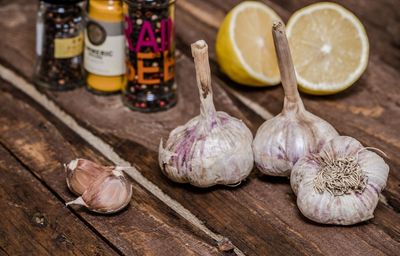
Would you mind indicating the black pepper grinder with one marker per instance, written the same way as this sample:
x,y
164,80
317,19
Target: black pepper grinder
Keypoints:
x,y
59,44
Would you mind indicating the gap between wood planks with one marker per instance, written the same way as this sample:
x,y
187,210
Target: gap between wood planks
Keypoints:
x,y
107,150
55,194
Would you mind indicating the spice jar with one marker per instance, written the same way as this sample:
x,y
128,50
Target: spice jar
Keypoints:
x,y
150,36
59,44
105,46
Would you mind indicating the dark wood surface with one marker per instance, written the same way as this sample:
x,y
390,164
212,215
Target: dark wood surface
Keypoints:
x,y
259,217
34,221
42,144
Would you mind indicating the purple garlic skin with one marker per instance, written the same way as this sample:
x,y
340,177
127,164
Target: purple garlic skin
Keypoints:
x,y
213,147
110,193
81,173
206,152
350,206
286,138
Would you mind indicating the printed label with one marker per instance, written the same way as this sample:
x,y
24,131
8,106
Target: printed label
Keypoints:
x,y
68,47
152,44
104,48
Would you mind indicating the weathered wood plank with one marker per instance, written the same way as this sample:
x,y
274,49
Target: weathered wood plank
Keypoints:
x,y
33,221
146,227
260,216
368,111
267,237
108,107
96,108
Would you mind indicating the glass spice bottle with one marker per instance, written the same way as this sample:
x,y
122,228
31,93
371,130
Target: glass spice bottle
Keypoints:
x,y
104,54
150,36
59,44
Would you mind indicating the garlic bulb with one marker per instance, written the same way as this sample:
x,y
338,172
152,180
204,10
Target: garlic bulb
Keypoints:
x,y
81,173
107,194
295,132
341,184
212,148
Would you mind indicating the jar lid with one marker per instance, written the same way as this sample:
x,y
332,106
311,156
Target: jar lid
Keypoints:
x,y
65,2
150,1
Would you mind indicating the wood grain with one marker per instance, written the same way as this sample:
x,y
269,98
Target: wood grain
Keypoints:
x,y
106,113
260,216
33,221
368,111
146,227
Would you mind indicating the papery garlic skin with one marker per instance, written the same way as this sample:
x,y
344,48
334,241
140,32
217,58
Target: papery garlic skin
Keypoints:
x,y
346,209
81,173
295,132
205,156
212,148
287,137
108,194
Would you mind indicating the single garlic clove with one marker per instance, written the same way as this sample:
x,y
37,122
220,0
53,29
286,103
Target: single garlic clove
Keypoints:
x,y
212,148
81,173
295,132
308,163
341,184
108,194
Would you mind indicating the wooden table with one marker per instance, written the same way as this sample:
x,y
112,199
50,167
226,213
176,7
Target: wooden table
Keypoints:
x,y
40,130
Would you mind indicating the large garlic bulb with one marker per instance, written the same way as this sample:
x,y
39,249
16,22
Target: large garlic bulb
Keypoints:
x,y
212,148
341,184
295,132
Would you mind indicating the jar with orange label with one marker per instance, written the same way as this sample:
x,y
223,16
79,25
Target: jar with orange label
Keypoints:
x,y
104,54
59,44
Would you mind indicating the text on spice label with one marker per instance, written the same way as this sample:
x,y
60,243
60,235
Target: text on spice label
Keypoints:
x,y
160,48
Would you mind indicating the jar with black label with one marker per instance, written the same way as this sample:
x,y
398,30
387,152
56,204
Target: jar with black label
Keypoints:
x,y
59,44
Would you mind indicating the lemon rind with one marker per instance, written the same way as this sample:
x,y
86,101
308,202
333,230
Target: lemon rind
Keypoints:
x,y
262,78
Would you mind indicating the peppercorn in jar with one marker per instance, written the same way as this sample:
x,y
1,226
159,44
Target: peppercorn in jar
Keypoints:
x,y
150,37
59,44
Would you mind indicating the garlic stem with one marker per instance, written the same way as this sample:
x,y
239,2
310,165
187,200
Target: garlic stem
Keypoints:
x,y
203,77
292,100
211,148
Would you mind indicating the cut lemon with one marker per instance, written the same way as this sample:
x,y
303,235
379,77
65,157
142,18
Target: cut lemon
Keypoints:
x,y
329,47
244,46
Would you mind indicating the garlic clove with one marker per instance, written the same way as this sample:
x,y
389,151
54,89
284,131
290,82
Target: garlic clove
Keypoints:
x,y
345,210
295,132
81,173
341,184
212,148
370,162
306,164
108,194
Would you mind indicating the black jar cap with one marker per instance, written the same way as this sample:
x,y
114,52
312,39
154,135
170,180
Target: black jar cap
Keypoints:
x,y
65,2
149,1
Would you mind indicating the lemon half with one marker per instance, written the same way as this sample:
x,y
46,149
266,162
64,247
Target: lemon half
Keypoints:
x,y
244,46
329,47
